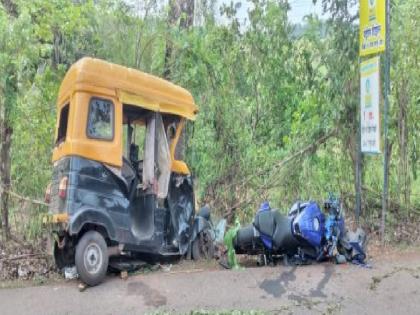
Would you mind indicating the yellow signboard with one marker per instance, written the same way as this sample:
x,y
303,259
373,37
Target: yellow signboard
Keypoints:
x,y
369,106
372,26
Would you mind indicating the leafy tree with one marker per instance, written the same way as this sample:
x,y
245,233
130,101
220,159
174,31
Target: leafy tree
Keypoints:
x,y
278,102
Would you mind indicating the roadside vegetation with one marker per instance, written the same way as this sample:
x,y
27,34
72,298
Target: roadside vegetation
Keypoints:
x,y
278,102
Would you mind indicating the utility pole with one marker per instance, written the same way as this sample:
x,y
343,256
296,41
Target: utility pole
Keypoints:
x,y
386,107
359,171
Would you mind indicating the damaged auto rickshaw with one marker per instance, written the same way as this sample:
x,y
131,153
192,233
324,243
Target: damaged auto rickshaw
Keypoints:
x,y
118,186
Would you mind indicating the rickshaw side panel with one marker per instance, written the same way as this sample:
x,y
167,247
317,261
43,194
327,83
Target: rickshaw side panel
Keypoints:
x,y
95,216
94,195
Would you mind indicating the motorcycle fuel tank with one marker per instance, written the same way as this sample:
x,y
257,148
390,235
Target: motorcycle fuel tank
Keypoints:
x,y
309,224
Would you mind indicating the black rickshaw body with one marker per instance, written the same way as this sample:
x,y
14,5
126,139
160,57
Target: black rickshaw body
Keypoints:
x,y
98,197
129,202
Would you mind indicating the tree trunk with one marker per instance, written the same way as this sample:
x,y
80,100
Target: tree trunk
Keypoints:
x,y
173,15
10,7
56,56
5,166
187,14
8,94
403,172
182,10
386,201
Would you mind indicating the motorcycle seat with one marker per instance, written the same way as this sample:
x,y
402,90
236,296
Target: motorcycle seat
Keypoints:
x,y
283,237
264,222
276,226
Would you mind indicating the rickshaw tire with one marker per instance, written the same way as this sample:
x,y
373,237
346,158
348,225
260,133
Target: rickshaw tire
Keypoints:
x,y
91,238
197,253
195,250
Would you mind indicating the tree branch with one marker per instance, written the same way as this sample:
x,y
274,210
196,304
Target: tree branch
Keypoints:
x,y
16,195
309,148
10,7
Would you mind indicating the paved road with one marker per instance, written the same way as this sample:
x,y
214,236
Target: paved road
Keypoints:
x,y
391,287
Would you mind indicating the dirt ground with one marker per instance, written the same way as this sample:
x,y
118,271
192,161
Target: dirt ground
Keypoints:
x,y
391,286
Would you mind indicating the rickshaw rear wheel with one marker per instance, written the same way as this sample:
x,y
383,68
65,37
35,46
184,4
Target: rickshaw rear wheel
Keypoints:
x,y
92,258
203,246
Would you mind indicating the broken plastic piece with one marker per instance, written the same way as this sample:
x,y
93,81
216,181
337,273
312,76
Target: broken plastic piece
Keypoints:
x,y
70,273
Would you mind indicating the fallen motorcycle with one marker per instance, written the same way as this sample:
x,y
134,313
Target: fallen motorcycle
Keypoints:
x,y
305,235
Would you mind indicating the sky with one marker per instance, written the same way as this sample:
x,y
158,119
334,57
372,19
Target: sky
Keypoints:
x,y
299,9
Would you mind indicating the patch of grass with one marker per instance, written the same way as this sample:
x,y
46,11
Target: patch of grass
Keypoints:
x,y
375,282
333,309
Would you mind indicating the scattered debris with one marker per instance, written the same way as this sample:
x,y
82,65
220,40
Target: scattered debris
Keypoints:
x,y
70,273
219,231
82,287
124,275
19,260
166,268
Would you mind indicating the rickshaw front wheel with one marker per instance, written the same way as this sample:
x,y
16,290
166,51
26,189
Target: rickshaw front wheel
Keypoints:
x,y
92,258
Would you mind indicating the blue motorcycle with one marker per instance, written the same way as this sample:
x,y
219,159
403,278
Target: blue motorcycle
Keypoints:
x,y
306,234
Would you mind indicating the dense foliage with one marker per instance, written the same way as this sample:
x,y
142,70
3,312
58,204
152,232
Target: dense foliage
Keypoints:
x,y
278,102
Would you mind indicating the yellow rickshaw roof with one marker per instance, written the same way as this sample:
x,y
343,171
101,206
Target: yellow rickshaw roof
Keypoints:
x,y
131,86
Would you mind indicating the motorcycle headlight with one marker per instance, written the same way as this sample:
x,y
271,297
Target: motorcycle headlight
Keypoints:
x,y
316,224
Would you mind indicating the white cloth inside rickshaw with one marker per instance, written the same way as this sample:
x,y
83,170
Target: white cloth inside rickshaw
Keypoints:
x,y
157,158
